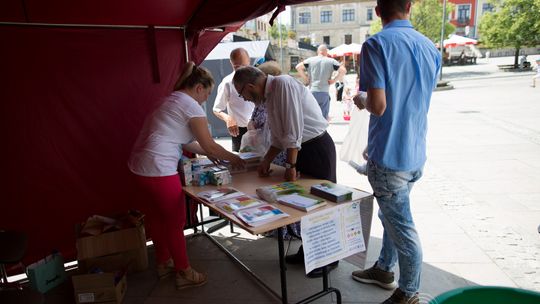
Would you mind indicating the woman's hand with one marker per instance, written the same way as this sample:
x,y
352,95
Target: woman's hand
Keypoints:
x,y
237,162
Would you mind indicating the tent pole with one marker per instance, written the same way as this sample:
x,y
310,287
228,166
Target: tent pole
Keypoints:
x,y
442,37
186,48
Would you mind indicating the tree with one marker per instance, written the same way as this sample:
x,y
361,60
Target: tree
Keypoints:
x,y
274,31
426,17
515,23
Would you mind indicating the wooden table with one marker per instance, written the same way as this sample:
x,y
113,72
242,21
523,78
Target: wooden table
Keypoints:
x,y
247,182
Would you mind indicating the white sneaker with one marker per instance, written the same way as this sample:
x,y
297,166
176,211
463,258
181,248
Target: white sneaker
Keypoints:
x,y
362,169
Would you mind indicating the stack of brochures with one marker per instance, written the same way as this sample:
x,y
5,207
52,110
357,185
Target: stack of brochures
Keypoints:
x,y
237,203
301,201
271,193
218,194
337,193
250,210
260,215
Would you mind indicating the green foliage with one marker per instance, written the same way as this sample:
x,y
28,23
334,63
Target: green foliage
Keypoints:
x,y
515,23
291,34
375,27
274,31
426,17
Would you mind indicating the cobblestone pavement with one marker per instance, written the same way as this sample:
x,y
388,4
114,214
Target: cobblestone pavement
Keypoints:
x,y
477,207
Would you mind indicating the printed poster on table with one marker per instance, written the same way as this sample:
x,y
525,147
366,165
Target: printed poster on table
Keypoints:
x,y
331,235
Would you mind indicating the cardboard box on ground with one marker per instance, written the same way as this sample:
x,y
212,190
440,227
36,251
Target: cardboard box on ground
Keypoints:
x,y
119,243
106,287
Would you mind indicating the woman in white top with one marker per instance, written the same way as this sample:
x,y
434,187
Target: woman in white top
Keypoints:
x,y
178,123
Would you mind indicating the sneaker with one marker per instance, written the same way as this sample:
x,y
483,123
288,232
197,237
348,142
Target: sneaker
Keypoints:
x,y
399,297
190,278
377,276
164,270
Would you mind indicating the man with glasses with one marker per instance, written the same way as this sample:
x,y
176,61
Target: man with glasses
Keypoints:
x,y
297,126
238,112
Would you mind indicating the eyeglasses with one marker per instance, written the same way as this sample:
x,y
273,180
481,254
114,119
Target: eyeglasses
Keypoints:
x,y
241,90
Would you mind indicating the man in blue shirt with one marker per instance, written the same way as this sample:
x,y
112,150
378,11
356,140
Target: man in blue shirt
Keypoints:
x,y
398,70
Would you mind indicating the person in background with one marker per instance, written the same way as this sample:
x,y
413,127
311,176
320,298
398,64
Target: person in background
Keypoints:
x,y
297,127
238,111
340,85
178,123
537,76
398,100
320,69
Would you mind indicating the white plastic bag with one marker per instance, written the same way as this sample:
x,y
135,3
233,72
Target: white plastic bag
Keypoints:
x,y
256,141
356,139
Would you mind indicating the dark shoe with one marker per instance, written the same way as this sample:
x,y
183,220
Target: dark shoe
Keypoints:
x,y
297,258
318,272
399,297
375,275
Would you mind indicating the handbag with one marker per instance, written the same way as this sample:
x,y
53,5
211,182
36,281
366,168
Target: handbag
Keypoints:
x,y
47,273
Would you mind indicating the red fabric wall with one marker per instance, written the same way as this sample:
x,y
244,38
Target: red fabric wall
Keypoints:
x,y
72,103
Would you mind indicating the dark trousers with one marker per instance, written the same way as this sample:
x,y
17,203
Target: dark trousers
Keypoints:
x,y
317,158
237,140
339,90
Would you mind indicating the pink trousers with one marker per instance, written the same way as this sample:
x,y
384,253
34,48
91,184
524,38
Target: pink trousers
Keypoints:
x,y
165,208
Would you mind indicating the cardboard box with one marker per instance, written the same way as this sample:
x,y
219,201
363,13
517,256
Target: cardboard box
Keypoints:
x,y
99,288
114,250
133,260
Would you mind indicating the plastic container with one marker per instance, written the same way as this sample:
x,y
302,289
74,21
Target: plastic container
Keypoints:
x,y
487,295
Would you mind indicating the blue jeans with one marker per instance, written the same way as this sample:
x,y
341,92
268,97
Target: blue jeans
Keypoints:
x,y
323,99
400,238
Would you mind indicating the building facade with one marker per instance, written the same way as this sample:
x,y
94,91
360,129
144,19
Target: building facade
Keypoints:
x,y
333,22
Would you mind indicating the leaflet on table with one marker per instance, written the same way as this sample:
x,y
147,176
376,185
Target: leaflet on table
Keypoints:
x,y
238,203
301,201
219,194
337,193
271,193
260,215
331,234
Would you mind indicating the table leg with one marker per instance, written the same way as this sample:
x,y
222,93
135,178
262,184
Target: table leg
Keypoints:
x,y
282,268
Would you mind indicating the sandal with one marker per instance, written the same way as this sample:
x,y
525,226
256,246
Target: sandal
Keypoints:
x,y
164,270
190,278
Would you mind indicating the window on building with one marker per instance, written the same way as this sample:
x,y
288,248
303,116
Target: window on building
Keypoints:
x,y
326,40
348,39
326,16
348,14
464,13
369,16
304,18
487,7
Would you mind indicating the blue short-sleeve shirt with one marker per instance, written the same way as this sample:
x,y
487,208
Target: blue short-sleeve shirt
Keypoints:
x,y
405,64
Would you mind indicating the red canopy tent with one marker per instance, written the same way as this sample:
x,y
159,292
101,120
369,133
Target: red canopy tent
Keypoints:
x,y
78,79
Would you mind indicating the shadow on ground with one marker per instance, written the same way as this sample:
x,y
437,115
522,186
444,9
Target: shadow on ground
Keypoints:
x,y
229,283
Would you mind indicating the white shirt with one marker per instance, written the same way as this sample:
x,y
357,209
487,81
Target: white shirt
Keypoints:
x,y
293,113
159,145
237,107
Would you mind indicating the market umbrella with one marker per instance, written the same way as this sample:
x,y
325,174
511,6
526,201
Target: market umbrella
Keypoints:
x,y
456,40
345,50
